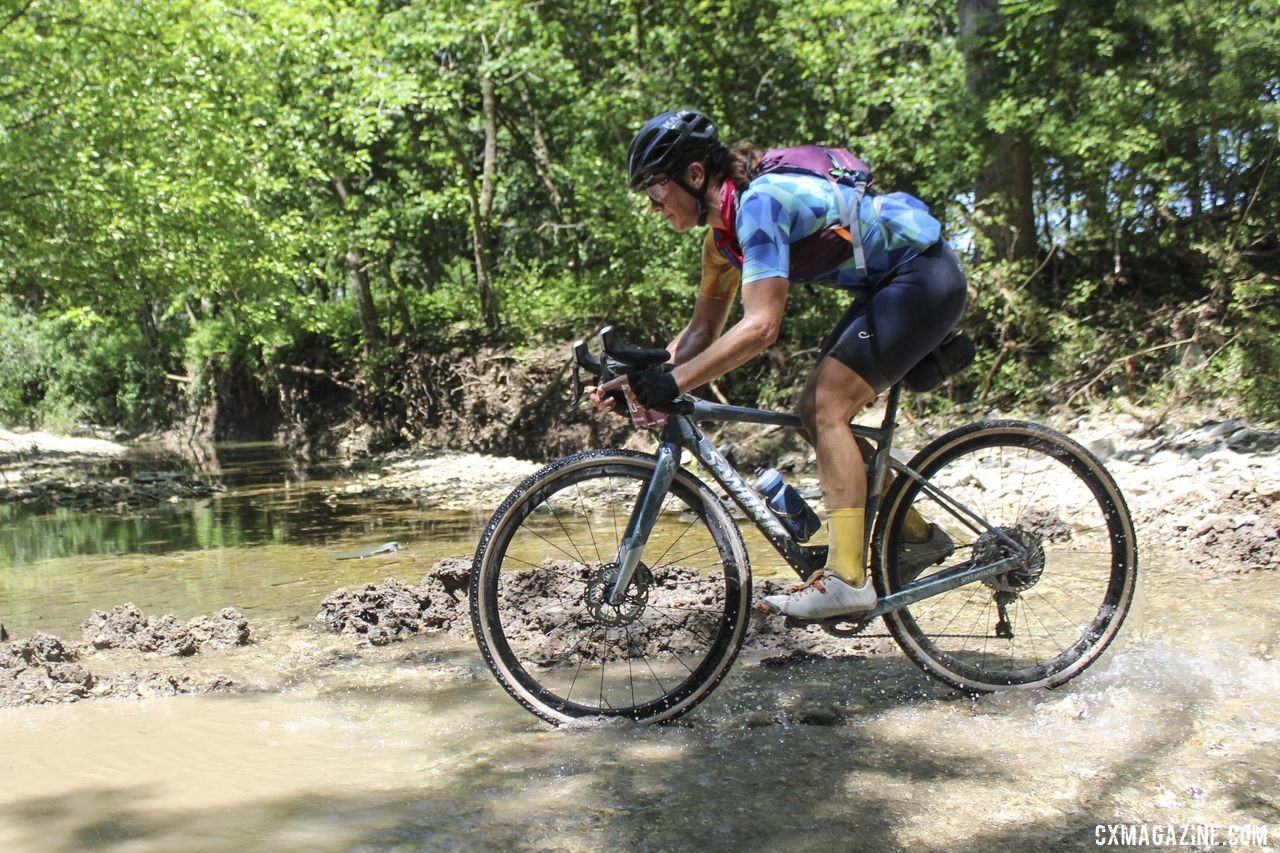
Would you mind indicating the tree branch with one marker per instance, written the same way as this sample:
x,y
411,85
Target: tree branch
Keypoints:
x,y
1124,359
16,15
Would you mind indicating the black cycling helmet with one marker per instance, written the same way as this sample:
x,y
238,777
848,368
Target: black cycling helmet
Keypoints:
x,y
666,145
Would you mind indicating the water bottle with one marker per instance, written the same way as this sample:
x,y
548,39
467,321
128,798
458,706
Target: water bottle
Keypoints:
x,y
782,498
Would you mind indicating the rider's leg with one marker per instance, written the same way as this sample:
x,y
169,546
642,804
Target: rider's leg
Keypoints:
x,y
834,394
878,340
914,526
832,397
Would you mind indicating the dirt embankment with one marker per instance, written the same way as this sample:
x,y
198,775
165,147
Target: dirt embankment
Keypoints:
x,y
472,397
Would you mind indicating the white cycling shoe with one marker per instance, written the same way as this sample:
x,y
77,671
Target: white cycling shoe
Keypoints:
x,y
825,596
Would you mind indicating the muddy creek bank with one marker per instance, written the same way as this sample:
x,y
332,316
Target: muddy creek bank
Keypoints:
x,y
328,741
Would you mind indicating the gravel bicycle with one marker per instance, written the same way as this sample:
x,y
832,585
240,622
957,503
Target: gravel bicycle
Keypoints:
x,y
614,583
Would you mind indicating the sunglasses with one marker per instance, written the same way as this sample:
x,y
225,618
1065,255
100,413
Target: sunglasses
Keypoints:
x,y
657,192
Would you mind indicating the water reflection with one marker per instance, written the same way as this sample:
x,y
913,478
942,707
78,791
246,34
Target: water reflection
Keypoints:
x,y
270,499
281,517
267,545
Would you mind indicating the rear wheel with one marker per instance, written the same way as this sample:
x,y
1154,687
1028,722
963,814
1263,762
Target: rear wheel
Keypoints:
x,y
1042,622
542,575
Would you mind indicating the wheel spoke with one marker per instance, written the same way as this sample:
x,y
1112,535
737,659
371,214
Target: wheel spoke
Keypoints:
x,y
1068,597
554,642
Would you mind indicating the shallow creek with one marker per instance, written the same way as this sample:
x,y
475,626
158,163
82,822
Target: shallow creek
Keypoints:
x,y
327,746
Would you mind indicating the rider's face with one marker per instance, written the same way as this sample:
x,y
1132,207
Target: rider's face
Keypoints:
x,y
676,204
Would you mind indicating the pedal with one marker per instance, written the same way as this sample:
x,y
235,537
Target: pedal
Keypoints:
x,y
837,627
844,628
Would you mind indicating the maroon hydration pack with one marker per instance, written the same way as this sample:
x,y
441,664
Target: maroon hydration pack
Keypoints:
x,y
837,165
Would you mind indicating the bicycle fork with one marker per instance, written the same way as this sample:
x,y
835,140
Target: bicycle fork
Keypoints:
x,y
643,516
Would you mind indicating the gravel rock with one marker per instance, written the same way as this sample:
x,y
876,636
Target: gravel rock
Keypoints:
x,y
118,494
1237,533
439,478
393,610
1253,441
225,630
126,627
40,669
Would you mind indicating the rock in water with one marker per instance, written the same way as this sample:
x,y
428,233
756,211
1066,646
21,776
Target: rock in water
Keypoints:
x,y
227,628
384,548
393,610
126,627
41,669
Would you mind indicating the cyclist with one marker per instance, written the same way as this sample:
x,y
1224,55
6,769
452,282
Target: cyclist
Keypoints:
x,y
764,233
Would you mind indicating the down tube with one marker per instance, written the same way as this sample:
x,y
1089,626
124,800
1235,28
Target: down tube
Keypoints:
x,y
746,498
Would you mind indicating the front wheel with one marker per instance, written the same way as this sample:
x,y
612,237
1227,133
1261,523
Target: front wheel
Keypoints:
x,y
540,585
1042,622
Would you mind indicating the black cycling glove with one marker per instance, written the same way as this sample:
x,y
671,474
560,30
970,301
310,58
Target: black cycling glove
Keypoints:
x,y
653,389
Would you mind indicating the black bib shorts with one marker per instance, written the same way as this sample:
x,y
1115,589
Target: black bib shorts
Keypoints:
x,y
884,335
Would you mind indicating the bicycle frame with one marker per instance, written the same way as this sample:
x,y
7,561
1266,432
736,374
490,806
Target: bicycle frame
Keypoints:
x,y
682,433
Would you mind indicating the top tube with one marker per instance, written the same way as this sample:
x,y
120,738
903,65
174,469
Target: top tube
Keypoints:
x,y
707,411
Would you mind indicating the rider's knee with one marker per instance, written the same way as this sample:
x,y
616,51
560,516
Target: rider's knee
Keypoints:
x,y
836,406
807,410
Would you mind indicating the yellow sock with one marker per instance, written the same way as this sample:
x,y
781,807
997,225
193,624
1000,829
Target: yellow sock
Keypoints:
x,y
844,558
914,527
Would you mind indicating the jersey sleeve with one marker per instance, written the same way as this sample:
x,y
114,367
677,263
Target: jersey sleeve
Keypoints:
x,y
763,226
720,278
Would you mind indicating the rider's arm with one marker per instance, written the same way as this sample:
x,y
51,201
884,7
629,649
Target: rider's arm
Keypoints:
x,y
763,302
709,317
719,285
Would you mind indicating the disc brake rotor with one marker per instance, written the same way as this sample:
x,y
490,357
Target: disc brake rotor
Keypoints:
x,y
634,600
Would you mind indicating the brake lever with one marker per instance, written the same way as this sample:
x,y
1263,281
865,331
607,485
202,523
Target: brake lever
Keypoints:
x,y
609,367
601,370
581,358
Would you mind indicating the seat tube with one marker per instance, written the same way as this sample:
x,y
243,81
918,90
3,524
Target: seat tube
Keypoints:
x,y
880,465
643,517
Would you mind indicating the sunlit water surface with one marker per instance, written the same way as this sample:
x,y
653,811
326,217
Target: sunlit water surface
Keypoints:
x,y
413,746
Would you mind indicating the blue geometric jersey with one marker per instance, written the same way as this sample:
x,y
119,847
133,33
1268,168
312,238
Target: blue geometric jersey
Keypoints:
x,y
778,210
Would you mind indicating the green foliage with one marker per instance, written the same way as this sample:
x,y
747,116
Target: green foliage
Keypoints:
x,y
195,187
61,370
25,359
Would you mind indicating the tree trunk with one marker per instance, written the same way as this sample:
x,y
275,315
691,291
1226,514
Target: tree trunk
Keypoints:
x,y
542,165
481,234
1004,185
480,198
365,308
358,278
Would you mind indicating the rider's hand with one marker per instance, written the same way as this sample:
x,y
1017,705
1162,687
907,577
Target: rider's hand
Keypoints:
x,y
604,397
654,389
